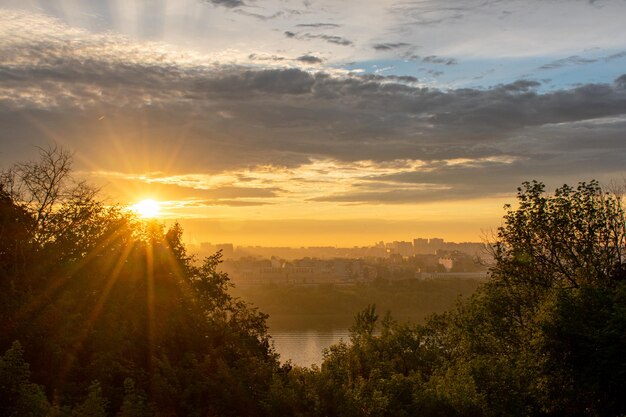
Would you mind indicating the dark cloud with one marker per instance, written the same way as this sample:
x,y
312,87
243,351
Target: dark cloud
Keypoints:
x,y
318,25
595,148
522,85
389,46
338,40
247,82
402,78
310,59
226,3
434,59
332,39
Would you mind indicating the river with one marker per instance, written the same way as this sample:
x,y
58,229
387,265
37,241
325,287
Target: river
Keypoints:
x,y
304,347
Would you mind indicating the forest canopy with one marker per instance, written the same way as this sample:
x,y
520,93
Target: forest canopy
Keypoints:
x,y
103,314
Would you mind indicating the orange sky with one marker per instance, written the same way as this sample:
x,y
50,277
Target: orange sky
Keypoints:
x,y
296,223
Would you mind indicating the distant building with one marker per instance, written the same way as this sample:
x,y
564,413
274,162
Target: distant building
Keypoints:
x,y
404,248
435,244
396,258
420,246
447,263
276,263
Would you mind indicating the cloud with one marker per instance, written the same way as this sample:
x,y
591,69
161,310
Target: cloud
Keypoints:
x,y
433,13
284,13
521,85
337,40
434,181
318,25
310,59
260,57
571,60
231,203
434,59
329,38
226,3
434,73
615,56
121,103
402,78
578,60
389,46
178,189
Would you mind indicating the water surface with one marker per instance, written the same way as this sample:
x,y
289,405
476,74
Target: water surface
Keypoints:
x,y
302,338
304,347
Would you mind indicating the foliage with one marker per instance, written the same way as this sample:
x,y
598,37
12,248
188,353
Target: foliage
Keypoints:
x,y
18,395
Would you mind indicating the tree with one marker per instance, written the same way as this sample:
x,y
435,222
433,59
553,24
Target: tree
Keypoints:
x,y
135,401
540,336
99,295
582,343
572,238
40,185
16,229
94,404
18,395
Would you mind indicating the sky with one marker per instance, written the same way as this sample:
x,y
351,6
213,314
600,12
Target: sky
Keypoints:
x,y
314,122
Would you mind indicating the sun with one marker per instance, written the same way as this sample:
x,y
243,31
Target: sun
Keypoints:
x,y
147,208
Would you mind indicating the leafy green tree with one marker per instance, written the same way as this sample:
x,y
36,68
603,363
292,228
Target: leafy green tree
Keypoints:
x,y
135,401
18,396
572,238
583,343
94,404
527,338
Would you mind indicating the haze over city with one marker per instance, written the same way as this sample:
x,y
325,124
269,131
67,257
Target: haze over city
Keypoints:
x,y
318,122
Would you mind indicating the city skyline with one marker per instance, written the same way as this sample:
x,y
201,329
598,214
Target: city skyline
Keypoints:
x,y
414,247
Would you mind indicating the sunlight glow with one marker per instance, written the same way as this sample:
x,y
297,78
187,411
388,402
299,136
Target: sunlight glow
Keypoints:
x,y
147,208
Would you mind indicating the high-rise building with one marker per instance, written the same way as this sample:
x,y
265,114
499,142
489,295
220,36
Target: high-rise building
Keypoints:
x,y
404,248
434,244
420,246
